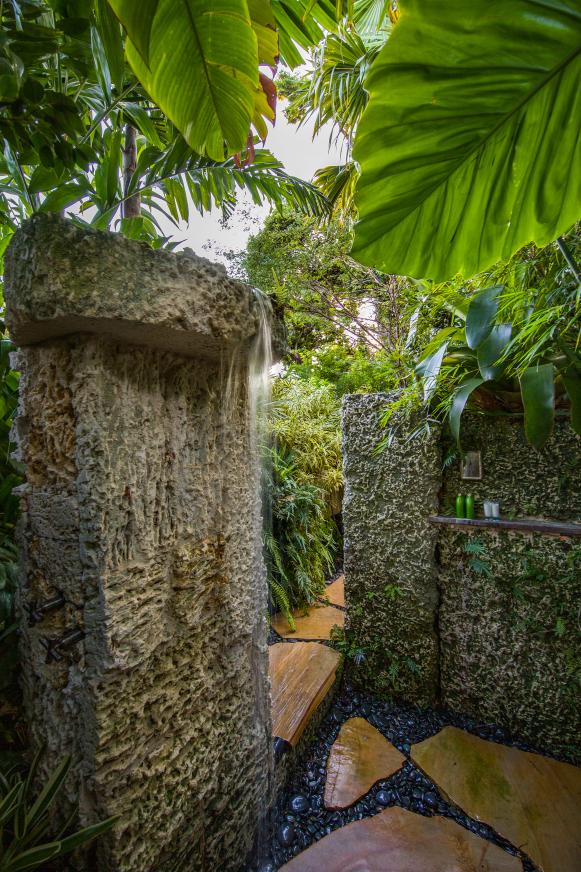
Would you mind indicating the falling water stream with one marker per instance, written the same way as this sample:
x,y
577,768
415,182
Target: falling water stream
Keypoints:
x,y
256,368
259,387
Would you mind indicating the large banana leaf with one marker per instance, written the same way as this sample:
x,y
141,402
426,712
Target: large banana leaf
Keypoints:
x,y
470,146
199,61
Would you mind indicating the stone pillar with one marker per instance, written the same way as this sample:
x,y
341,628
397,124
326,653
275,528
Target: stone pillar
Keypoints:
x,y
390,572
141,507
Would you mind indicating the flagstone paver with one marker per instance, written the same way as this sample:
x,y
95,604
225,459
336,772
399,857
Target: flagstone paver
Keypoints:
x,y
360,758
401,841
317,624
532,801
301,675
335,592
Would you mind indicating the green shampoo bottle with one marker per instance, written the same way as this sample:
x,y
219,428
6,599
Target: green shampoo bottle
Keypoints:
x,y
470,506
460,506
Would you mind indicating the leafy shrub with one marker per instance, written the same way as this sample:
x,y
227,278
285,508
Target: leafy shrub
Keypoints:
x,y
305,484
26,841
305,423
302,541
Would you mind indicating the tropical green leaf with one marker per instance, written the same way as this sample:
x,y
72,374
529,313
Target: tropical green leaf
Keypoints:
x,y
49,791
337,183
429,369
481,314
141,121
490,350
301,24
65,196
137,18
264,26
201,67
537,386
112,41
69,843
573,388
461,397
470,145
34,857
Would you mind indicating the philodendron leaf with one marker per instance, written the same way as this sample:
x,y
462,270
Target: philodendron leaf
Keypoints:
x,y
490,351
199,63
537,385
470,145
573,387
481,314
459,402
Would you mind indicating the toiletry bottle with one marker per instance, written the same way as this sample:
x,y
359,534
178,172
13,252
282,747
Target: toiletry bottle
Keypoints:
x,y
460,506
470,506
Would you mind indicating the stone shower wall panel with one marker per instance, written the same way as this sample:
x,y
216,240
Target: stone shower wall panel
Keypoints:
x,y
491,615
510,637
504,658
142,506
390,572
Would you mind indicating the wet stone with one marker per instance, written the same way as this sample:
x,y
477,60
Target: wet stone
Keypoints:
x,y
286,835
384,797
299,804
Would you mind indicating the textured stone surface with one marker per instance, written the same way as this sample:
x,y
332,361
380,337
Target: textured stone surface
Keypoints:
x,y
63,279
510,636
489,616
526,483
141,506
531,800
501,658
359,758
390,573
401,841
317,623
301,674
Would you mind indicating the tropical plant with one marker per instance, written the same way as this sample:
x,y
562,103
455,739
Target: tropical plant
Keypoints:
x,y
305,423
514,346
9,477
328,298
27,840
301,543
468,151
80,132
216,103
333,93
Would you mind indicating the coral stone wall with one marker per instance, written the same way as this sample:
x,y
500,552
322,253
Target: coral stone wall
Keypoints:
x,y
390,571
141,505
488,618
510,631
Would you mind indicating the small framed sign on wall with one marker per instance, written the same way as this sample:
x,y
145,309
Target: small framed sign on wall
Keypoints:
x,y
472,465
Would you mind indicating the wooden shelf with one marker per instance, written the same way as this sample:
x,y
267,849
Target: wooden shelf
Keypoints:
x,y
526,525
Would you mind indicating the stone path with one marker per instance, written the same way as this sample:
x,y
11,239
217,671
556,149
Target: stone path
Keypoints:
x,y
315,625
360,758
301,675
401,841
532,801
518,798
335,592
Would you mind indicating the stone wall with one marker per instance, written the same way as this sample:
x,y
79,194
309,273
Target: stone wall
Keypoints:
x,y
141,505
510,634
390,571
491,616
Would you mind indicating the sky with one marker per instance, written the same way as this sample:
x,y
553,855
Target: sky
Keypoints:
x,y
301,156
